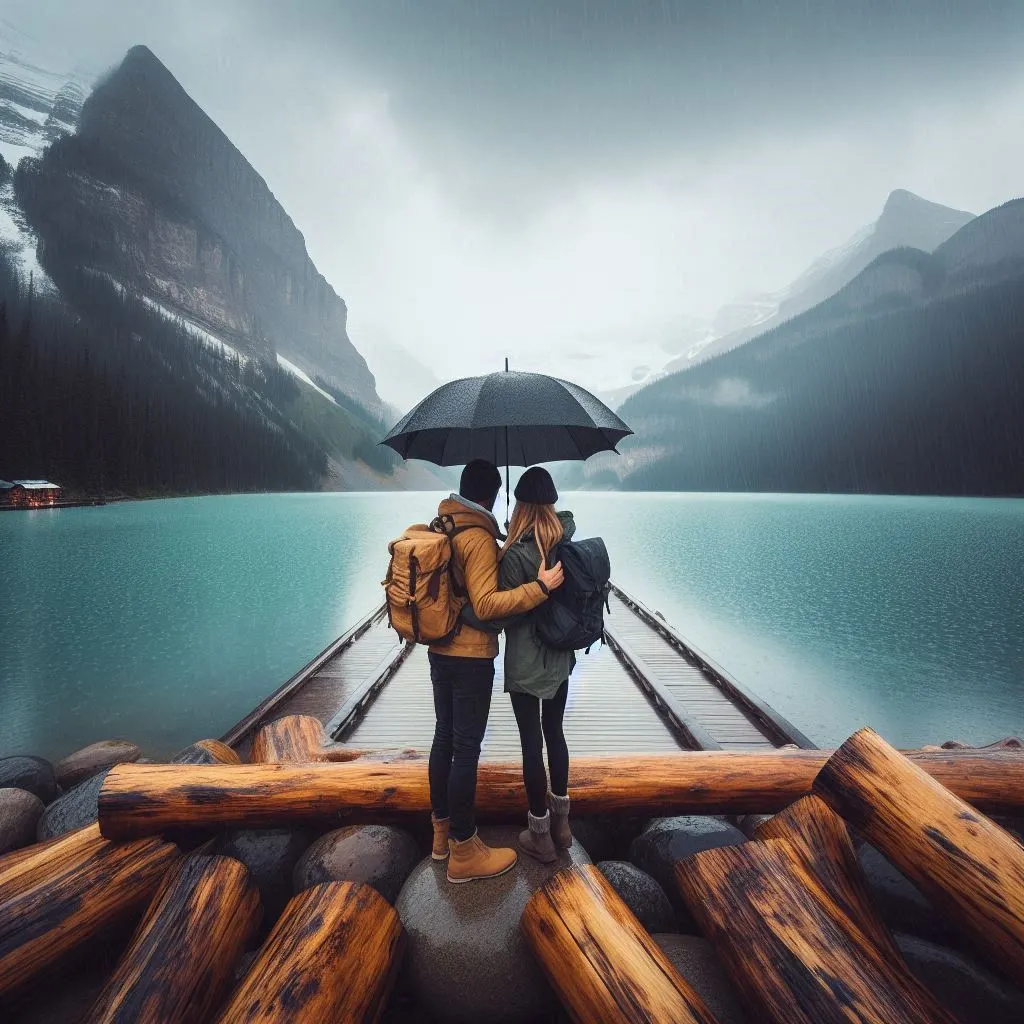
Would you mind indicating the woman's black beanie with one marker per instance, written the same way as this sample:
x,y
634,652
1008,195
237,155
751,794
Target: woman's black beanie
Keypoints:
x,y
536,487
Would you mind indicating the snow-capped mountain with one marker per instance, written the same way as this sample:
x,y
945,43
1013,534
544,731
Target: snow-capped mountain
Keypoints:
x,y
37,106
120,199
38,103
906,221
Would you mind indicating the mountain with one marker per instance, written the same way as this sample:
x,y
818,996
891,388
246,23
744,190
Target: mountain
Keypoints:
x,y
906,221
37,107
150,193
147,269
910,379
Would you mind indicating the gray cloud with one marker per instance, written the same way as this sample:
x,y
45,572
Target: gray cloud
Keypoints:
x,y
541,177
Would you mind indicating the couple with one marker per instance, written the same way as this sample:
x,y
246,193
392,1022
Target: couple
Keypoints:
x,y
503,586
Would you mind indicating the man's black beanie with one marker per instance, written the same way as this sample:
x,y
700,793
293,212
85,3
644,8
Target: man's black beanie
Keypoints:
x,y
480,482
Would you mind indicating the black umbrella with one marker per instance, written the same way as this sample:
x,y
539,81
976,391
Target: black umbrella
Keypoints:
x,y
511,419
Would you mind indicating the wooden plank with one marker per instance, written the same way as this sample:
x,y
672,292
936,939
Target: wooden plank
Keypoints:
x,y
599,959
180,963
332,956
69,892
777,726
249,723
606,712
794,954
970,868
693,734
143,799
350,713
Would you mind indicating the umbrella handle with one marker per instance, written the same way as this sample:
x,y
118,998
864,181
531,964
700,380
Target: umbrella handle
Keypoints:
x,y
506,467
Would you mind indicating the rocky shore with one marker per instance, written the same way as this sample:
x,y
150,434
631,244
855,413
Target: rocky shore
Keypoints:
x,y
466,958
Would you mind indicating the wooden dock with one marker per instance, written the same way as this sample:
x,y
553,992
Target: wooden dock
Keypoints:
x,y
647,690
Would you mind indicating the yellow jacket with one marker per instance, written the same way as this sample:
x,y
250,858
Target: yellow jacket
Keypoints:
x,y
476,570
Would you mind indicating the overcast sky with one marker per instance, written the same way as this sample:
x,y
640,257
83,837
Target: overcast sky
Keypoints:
x,y
559,180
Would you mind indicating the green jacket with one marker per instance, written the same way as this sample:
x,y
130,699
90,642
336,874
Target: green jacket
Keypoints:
x,y
530,667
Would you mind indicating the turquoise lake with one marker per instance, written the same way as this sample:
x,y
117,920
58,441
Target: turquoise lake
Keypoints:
x,y
166,621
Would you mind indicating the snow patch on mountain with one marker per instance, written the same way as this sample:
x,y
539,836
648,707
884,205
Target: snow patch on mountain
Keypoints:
x,y
291,368
195,330
36,106
17,243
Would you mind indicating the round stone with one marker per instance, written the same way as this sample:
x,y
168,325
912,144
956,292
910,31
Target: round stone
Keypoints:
x,y
696,960
91,760
378,855
900,903
20,812
641,894
270,854
594,837
964,987
30,773
77,808
467,959
667,840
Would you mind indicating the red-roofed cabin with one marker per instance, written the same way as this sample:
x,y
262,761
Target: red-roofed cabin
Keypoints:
x,y
29,493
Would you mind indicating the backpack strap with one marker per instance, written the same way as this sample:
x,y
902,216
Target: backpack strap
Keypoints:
x,y
446,524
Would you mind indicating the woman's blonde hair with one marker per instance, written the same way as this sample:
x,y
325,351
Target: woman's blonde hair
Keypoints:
x,y
542,519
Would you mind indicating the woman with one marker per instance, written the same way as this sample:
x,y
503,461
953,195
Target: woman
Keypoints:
x,y
537,677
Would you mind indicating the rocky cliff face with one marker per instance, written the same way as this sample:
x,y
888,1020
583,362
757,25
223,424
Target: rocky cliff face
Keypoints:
x,y
152,194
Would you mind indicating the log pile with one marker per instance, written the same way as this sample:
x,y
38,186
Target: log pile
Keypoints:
x,y
789,913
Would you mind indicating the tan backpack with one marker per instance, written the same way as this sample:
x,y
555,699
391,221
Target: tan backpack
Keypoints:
x,y
423,597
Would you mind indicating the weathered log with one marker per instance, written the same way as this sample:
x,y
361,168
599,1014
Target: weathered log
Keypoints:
x,y
820,838
68,892
145,799
333,955
297,738
180,963
303,739
795,955
47,858
8,860
599,959
966,864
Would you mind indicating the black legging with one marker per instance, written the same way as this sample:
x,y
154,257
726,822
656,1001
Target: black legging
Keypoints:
x,y
531,721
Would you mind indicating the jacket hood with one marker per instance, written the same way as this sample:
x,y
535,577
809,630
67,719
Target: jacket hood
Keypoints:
x,y
469,515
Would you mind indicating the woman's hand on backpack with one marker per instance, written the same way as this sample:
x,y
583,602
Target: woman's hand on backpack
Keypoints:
x,y
551,578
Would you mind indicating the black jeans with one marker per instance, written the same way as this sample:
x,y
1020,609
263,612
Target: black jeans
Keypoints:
x,y
540,727
462,701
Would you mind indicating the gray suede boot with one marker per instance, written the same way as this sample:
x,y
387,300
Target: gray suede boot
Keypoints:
x,y
561,834
536,840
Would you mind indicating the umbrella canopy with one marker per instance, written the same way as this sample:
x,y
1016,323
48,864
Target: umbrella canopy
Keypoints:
x,y
509,418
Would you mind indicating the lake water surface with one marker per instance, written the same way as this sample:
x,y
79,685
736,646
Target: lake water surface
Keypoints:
x,y
166,621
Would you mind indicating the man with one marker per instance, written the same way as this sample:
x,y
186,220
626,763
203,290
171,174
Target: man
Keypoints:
x,y
462,673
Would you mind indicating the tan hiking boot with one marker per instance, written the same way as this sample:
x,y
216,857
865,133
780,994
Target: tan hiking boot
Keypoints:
x,y
561,834
439,851
536,840
473,859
